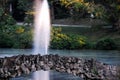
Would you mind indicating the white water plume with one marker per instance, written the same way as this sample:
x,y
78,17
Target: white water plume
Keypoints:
x,y
42,27
41,34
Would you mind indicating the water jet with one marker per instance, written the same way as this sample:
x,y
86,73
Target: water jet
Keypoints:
x,y
41,34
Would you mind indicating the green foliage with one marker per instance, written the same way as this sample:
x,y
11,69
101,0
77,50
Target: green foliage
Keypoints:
x,y
71,41
13,36
1,11
6,40
28,20
6,36
26,5
106,44
60,41
77,42
64,41
107,10
6,19
24,40
89,45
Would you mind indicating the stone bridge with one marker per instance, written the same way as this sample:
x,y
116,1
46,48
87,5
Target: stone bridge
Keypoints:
x,y
86,69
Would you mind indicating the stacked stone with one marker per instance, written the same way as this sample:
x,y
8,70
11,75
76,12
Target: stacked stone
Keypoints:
x,y
86,69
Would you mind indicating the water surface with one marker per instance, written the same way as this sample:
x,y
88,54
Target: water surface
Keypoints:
x,y
109,57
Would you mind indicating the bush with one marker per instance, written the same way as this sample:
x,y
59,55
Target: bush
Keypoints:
x,y
7,19
60,41
6,41
23,40
66,41
77,42
106,44
89,45
14,36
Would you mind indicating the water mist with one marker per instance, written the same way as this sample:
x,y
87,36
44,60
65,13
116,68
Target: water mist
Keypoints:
x,y
41,34
41,27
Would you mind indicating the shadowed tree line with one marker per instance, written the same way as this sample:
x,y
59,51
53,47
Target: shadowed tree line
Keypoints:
x,y
107,10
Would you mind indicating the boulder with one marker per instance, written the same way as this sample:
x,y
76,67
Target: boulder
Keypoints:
x,y
86,69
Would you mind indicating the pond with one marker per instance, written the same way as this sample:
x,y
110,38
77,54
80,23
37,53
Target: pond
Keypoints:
x,y
109,57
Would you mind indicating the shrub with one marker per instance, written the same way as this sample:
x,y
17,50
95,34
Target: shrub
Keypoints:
x,y
89,45
63,41
23,40
60,41
77,42
6,41
106,44
14,36
7,19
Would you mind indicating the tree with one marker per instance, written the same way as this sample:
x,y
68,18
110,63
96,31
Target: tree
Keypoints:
x,y
108,10
112,12
5,16
77,8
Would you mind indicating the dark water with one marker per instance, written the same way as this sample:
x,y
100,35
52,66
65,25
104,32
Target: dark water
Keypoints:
x,y
108,57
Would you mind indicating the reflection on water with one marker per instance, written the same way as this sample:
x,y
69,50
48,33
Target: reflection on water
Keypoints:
x,y
41,75
109,57
53,76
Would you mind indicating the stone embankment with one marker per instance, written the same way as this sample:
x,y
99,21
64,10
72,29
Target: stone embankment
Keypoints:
x,y
86,69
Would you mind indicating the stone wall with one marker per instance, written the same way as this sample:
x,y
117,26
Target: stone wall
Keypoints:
x,y
86,69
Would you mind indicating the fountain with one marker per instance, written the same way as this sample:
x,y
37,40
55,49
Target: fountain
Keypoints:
x,y
42,27
41,34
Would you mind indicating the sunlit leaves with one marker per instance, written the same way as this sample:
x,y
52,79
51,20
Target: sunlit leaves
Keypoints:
x,y
19,30
30,12
72,2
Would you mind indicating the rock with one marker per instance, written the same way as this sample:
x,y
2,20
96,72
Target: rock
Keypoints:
x,y
1,71
82,76
33,68
50,64
46,68
69,71
57,69
75,66
71,66
41,63
67,65
38,67
25,69
19,72
74,72
80,70
13,75
17,67
86,69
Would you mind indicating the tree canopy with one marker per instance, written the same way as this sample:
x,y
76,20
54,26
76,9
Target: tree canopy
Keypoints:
x,y
108,10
